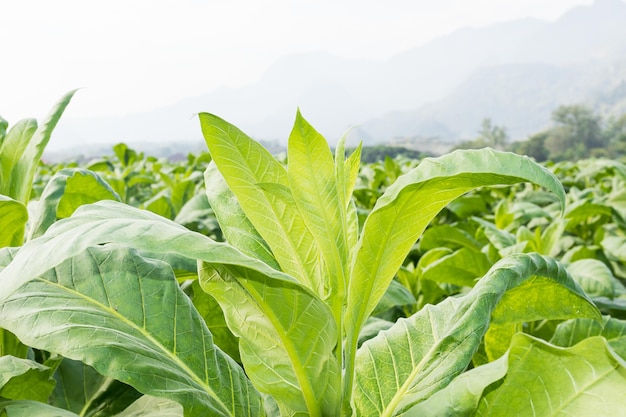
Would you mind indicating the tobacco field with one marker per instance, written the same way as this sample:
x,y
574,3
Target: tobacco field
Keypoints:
x,y
236,283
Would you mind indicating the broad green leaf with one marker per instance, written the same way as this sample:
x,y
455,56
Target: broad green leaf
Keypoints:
x,y
571,332
23,169
148,406
82,390
160,204
405,209
462,267
244,164
198,215
287,338
538,298
460,398
500,239
13,218
234,223
67,190
420,355
127,317
213,316
588,379
23,379
594,277
449,236
30,409
397,295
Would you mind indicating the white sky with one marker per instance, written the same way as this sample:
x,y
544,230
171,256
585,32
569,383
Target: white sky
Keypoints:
x,y
136,55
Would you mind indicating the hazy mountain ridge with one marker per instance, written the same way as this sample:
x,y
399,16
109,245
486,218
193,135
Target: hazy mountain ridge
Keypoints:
x,y
515,72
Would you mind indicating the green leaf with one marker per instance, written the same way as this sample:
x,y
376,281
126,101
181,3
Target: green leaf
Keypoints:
x,y
213,316
397,295
236,227
67,190
420,355
594,277
23,379
30,409
313,184
584,380
148,406
23,163
538,298
405,209
461,396
286,353
11,151
13,218
82,390
571,332
127,317
111,222
462,267
449,236
244,164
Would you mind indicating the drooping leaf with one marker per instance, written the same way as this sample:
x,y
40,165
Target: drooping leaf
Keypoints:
x,y
127,317
113,222
585,380
420,355
403,212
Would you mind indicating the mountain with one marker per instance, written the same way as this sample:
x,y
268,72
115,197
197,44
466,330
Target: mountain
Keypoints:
x,y
516,73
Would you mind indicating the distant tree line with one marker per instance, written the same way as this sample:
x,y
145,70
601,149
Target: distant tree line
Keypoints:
x,y
577,132
378,153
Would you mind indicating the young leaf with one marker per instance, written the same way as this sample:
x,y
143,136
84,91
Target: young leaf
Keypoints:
x,y
312,180
244,164
26,155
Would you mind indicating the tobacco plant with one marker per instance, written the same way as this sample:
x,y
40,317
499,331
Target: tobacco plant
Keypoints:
x,y
297,282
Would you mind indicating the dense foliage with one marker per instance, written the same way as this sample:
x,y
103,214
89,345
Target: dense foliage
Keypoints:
x,y
235,284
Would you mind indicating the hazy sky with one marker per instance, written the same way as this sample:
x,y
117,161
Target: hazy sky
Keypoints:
x,y
136,55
